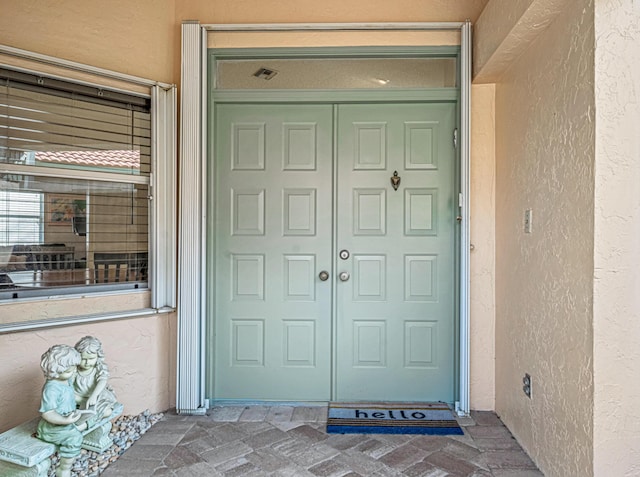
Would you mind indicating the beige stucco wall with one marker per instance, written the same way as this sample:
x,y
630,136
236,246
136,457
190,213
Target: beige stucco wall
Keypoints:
x,y
134,37
494,33
505,29
358,11
140,354
617,245
544,280
482,265
142,38
309,11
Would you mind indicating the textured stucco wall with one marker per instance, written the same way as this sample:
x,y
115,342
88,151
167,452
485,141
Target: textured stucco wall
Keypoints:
x,y
310,11
134,37
300,11
483,221
140,354
490,34
544,280
504,30
617,242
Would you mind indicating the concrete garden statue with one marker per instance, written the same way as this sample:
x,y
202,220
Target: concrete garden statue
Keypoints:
x,y
76,411
90,383
58,405
77,402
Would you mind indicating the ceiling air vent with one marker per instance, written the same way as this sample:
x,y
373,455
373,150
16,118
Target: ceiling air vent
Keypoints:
x,y
265,73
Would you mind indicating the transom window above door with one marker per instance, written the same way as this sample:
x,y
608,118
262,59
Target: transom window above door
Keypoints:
x,y
336,73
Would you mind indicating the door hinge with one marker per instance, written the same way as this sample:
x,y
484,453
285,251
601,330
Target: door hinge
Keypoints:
x,y
455,138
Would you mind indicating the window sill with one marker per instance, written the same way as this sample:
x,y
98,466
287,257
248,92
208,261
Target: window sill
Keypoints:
x,y
66,310
82,319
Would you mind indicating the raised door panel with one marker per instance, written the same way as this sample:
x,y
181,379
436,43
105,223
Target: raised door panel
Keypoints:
x,y
369,145
369,344
299,211
299,343
421,141
248,146
369,277
369,211
247,343
299,280
420,211
247,277
247,212
299,150
420,278
420,342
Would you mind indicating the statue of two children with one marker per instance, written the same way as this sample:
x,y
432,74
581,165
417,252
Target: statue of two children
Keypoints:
x,y
75,395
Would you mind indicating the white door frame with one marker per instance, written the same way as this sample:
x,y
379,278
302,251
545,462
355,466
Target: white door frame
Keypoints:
x,y
192,296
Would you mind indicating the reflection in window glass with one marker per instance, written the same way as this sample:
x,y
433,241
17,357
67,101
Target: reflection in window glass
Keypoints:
x,y
20,217
74,189
53,128
72,233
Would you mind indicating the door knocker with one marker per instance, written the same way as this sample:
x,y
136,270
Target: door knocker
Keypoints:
x,y
395,180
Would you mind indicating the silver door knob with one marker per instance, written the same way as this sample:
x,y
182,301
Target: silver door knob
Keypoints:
x,y
324,276
344,276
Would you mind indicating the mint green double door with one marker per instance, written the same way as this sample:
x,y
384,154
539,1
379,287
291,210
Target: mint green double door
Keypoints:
x,y
331,283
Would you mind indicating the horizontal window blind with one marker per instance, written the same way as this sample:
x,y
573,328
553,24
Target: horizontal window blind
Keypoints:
x,y
61,226
61,128
20,217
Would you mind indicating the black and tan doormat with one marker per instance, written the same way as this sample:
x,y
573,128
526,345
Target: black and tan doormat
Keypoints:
x,y
391,418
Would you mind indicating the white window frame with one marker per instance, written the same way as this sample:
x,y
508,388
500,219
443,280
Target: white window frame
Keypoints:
x,y
162,183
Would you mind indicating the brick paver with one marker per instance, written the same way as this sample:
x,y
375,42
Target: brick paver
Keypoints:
x,y
288,441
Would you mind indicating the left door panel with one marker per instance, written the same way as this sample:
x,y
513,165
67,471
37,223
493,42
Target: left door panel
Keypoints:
x,y
273,238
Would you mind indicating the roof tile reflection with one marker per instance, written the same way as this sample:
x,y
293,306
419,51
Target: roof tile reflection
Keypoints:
x,y
111,158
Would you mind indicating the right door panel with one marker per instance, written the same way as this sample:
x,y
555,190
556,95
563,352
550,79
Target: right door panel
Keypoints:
x,y
396,296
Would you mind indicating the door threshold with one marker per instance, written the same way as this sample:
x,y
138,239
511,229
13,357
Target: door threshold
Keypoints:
x,y
257,402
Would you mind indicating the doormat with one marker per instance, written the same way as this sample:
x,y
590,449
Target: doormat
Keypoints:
x,y
391,418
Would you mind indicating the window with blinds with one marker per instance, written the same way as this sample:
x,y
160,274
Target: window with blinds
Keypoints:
x,y
20,217
75,166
